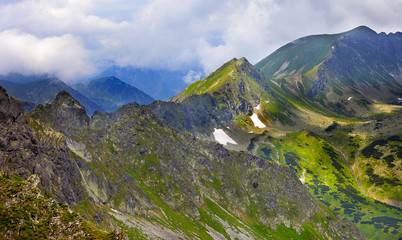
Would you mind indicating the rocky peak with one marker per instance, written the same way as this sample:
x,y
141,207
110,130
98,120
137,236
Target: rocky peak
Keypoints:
x,y
65,114
25,151
241,62
14,136
63,97
242,65
10,109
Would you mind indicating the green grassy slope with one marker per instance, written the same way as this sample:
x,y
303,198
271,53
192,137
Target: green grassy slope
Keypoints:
x,y
237,76
297,57
26,214
331,180
379,169
341,73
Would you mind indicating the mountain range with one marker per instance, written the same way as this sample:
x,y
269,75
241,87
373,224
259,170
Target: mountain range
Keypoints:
x,y
156,83
306,144
44,91
104,94
358,143
193,187
112,93
343,73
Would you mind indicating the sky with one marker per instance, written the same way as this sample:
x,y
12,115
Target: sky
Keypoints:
x,y
77,39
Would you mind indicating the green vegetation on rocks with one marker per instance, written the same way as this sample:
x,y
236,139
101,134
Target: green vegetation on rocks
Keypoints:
x,y
26,214
331,180
141,169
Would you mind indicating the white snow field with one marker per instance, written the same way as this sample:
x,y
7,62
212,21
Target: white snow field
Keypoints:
x,y
222,138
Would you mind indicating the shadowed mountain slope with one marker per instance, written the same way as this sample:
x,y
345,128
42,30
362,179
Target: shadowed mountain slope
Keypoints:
x,y
44,91
343,72
112,93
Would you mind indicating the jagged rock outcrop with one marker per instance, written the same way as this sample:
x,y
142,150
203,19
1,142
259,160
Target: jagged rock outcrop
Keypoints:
x,y
18,146
65,114
26,214
197,114
24,152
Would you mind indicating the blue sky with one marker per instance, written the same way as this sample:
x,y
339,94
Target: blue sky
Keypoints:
x,y
76,39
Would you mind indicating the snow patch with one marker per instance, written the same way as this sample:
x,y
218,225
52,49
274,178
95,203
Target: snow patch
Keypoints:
x,y
256,121
349,98
258,107
222,138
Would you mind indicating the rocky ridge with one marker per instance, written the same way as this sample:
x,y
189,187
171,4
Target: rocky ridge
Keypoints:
x,y
26,214
29,148
44,91
137,165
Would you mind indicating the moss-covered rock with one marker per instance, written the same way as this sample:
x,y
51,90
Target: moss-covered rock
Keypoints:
x,y
26,214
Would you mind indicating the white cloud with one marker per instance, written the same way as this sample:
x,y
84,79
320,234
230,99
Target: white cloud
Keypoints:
x,y
27,54
171,34
192,76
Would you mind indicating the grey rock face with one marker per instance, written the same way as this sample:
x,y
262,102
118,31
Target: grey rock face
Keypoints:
x,y
65,114
23,153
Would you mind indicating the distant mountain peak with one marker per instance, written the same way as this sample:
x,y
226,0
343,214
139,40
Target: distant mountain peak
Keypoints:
x,y
231,91
362,28
45,90
108,78
111,93
53,79
329,69
239,60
